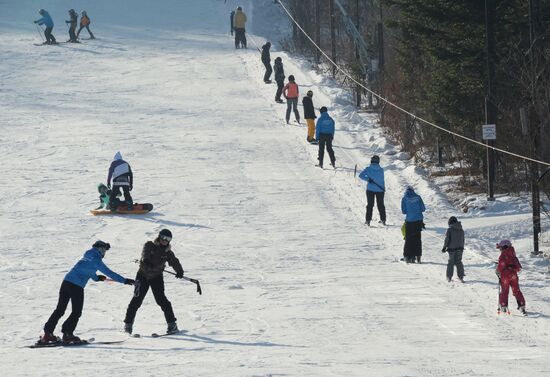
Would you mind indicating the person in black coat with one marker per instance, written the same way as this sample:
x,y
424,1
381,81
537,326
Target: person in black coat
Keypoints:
x,y
279,78
309,116
72,25
266,59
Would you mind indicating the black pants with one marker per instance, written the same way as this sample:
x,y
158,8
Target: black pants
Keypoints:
x,y
240,38
455,259
280,86
116,191
413,240
141,287
87,28
67,292
326,139
48,34
379,203
72,33
268,71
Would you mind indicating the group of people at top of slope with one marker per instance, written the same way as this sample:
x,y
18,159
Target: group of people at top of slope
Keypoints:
x,y
154,256
47,20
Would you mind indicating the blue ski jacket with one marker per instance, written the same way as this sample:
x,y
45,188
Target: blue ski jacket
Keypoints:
x,y
325,125
86,268
374,175
412,206
45,20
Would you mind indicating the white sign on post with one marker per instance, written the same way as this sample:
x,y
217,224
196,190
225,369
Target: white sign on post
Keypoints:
x,y
489,131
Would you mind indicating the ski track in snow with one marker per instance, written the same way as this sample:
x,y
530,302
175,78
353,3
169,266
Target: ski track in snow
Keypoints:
x,y
294,283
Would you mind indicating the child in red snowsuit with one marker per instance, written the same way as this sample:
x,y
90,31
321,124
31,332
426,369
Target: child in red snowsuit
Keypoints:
x,y
507,271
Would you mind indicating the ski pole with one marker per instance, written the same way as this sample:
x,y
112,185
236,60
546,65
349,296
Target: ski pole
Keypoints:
x,y
189,279
355,171
38,29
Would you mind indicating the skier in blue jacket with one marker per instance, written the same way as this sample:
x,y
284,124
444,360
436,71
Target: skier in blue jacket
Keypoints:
x,y
72,289
374,175
412,206
46,20
324,134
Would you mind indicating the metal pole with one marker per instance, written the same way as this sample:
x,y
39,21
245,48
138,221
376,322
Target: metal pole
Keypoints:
x,y
490,111
332,35
357,59
317,30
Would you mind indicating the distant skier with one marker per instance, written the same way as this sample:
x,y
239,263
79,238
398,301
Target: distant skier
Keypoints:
x,y
374,175
507,271
309,116
85,23
72,25
239,22
231,17
413,207
279,78
454,245
291,93
121,173
266,59
153,260
324,134
46,20
72,289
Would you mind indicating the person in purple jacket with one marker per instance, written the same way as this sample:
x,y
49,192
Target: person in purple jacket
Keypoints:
x,y
121,173
72,289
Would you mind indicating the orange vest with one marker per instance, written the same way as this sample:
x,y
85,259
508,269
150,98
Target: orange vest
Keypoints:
x,y
84,21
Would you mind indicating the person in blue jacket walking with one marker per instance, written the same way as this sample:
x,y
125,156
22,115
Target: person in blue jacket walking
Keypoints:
x,y
72,289
374,175
46,20
413,207
324,134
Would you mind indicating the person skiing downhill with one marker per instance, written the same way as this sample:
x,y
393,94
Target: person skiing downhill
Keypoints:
x,y
291,93
72,25
412,206
279,78
454,245
85,23
374,175
324,134
266,60
507,271
154,256
121,173
46,20
72,289
309,116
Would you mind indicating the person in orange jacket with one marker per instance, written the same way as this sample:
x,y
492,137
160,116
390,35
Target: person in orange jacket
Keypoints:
x,y
291,93
85,23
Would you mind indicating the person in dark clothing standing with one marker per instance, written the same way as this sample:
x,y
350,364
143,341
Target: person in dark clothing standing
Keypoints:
x,y
374,175
121,173
231,15
454,245
279,78
153,260
72,26
324,135
46,20
413,207
266,59
309,116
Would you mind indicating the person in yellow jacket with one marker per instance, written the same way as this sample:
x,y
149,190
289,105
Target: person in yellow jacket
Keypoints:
x,y
85,23
239,21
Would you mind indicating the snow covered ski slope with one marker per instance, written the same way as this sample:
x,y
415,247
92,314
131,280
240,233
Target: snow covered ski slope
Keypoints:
x,y
293,282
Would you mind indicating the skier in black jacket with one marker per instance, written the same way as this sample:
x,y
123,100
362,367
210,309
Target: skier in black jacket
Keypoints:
x,y
309,116
279,78
266,59
72,28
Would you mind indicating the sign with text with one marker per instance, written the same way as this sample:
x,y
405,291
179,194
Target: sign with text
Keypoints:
x,y
489,131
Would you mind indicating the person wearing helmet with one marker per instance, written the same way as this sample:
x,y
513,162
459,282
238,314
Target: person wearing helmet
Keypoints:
x,y
266,60
454,246
123,178
46,20
72,289
291,93
279,78
374,175
72,26
309,116
85,23
412,206
324,134
154,256
507,271
239,22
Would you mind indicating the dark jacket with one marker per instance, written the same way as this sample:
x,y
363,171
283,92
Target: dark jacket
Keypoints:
x,y
279,70
454,238
309,111
74,19
266,57
154,257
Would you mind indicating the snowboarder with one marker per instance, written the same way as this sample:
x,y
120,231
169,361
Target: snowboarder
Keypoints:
x,y
413,207
121,173
72,289
454,245
72,25
291,93
266,59
507,271
85,23
309,116
46,20
239,22
154,256
374,175
279,78
324,134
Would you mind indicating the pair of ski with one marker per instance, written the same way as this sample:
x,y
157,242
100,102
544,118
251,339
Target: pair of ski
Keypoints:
x,y
82,342
157,335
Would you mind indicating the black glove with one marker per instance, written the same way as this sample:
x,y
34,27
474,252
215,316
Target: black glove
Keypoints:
x,y
101,277
129,281
35,22
109,186
443,250
179,275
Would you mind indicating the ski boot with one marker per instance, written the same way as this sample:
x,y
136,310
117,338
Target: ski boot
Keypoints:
x,y
172,328
503,309
128,327
47,338
522,310
70,338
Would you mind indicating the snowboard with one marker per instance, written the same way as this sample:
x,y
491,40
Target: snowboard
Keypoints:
x,y
139,209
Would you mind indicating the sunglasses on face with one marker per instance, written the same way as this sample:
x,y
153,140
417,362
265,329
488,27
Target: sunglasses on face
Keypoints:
x,y
166,238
